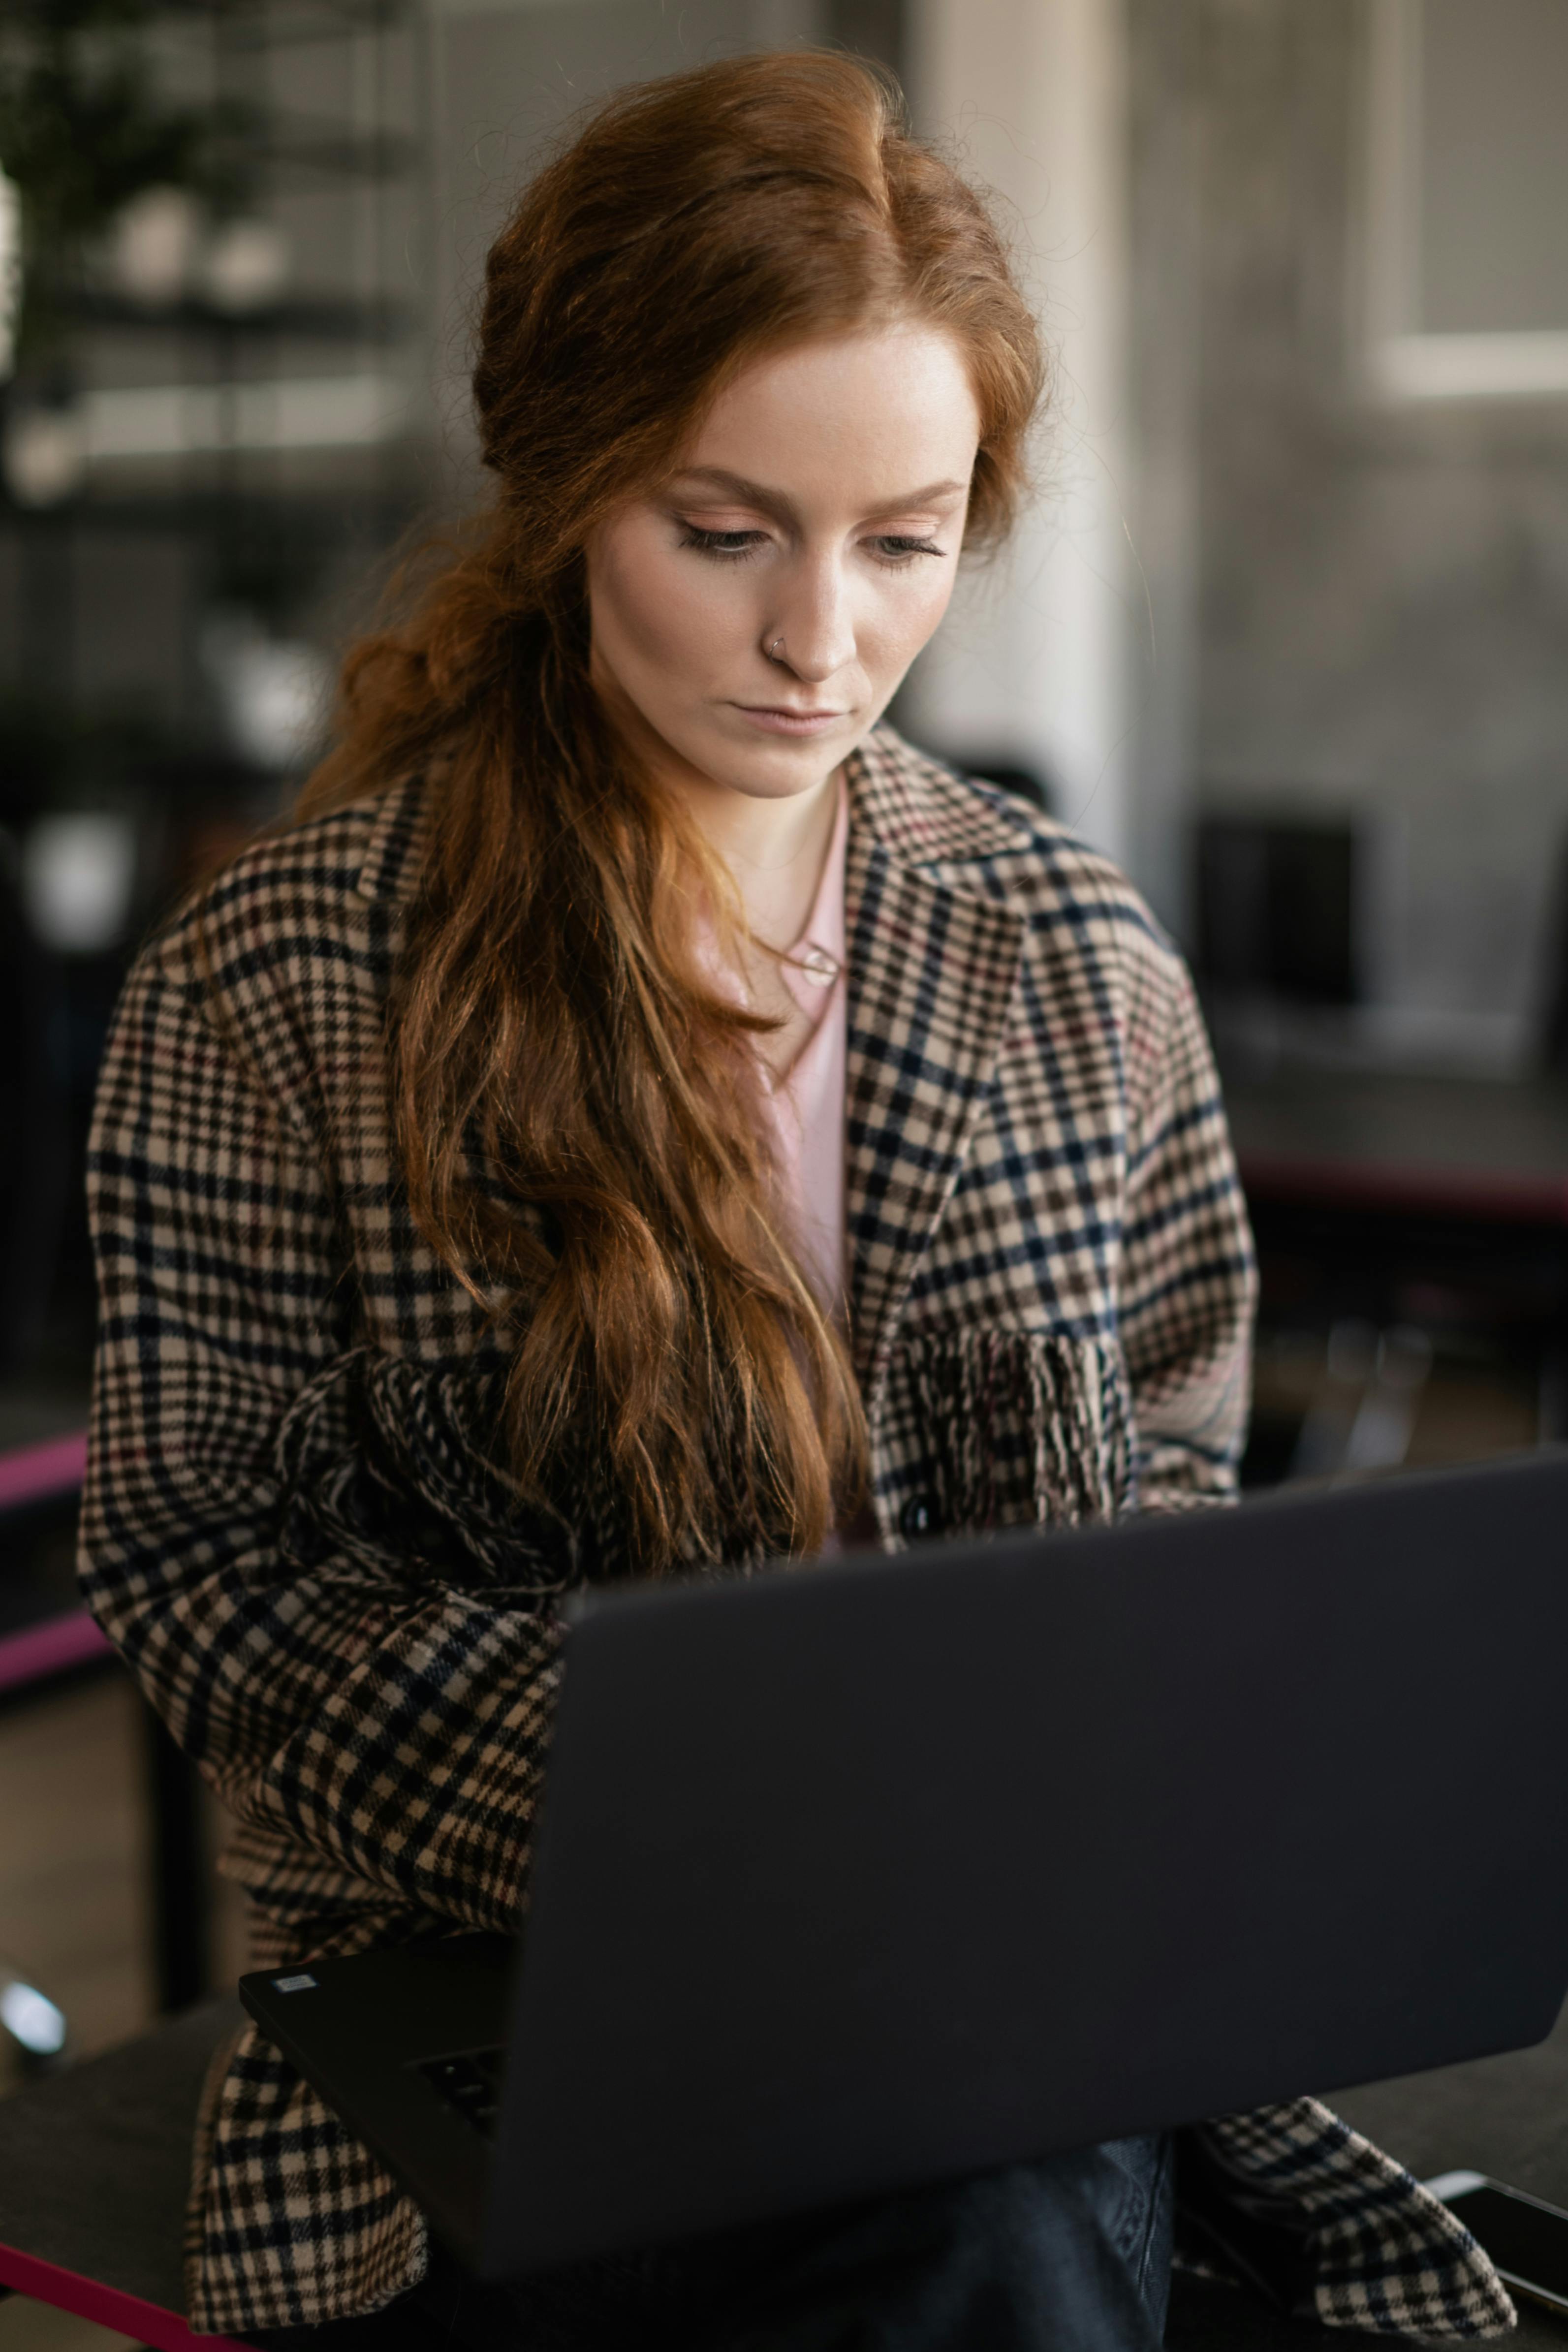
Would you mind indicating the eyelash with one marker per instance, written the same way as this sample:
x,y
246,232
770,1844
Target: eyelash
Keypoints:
x,y
721,543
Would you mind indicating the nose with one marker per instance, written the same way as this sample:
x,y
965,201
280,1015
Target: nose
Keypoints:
x,y
816,621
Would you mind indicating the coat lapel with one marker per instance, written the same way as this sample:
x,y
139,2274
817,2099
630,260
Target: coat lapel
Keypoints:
x,y
932,976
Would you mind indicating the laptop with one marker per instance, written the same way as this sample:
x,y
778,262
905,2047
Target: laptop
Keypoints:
x,y
886,1870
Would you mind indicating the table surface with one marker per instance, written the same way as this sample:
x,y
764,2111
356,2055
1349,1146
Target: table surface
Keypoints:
x,y
1459,1146
94,2166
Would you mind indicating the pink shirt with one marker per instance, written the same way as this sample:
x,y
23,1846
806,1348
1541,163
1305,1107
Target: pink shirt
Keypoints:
x,y
807,1102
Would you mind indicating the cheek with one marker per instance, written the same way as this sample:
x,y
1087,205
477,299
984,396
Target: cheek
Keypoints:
x,y
909,619
651,605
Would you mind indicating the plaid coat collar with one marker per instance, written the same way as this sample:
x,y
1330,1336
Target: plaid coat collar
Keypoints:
x,y
933,969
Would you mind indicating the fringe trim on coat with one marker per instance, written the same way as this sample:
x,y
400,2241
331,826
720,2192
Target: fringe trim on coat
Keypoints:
x,y
1019,1427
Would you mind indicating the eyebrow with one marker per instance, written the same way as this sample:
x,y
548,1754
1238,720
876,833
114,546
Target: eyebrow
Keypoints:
x,y
774,502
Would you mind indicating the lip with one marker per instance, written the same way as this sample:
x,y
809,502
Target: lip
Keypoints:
x,y
778,718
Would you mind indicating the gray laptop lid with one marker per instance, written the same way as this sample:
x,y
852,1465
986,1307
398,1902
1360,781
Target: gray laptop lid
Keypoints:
x,y
881,1871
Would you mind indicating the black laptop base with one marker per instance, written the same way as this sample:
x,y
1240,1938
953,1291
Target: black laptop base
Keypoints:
x,y
365,2030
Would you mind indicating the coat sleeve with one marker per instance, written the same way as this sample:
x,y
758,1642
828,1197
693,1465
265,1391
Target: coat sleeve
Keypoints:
x,y
348,1696
1188,1283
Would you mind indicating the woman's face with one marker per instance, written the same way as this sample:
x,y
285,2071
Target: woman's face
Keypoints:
x,y
753,616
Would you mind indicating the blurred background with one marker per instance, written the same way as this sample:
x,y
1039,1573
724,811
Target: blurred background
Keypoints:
x,y
1287,632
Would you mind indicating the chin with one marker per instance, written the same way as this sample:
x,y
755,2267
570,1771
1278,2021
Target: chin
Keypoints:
x,y
776,781
774,769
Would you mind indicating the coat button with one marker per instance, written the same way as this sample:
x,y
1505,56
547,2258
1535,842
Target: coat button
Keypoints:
x,y
914,1519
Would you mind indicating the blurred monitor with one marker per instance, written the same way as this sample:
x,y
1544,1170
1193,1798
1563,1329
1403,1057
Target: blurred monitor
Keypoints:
x,y
1276,908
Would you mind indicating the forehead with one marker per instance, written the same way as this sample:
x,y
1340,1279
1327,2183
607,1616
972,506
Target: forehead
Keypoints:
x,y
849,419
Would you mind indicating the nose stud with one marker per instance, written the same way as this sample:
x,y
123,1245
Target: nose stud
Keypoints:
x,y
817,966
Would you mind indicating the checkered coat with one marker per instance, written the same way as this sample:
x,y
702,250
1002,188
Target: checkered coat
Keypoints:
x,y
290,1533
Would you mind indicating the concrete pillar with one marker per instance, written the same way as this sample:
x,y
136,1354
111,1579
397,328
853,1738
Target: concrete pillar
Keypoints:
x,y
1037,661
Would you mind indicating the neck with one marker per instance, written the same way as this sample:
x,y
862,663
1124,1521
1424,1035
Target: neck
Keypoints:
x,y
757,837
773,848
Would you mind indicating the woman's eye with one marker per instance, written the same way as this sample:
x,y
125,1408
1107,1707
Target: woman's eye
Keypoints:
x,y
895,550
719,543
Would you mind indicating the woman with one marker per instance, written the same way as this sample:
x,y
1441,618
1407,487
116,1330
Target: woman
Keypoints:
x,y
644,1116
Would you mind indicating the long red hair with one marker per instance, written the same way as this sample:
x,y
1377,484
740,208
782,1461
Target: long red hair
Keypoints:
x,y
574,1107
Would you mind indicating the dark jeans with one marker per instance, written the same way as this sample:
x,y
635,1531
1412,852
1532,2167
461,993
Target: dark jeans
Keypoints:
x,y
1072,2255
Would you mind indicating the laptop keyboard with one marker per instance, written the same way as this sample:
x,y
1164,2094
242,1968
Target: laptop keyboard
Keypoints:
x,y
471,2085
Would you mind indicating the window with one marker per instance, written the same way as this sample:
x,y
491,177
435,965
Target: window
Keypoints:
x,y
1467,217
